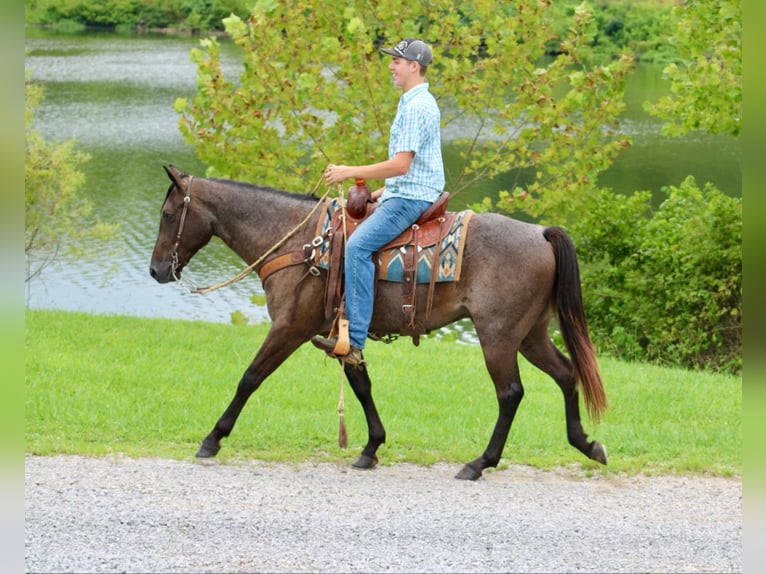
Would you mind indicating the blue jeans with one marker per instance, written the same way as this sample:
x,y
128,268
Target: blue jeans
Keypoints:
x,y
389,219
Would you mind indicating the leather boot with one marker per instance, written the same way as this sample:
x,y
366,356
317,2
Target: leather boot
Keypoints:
x,y
354,356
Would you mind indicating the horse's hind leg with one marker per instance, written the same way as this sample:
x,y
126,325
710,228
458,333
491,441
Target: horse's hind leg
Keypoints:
x,y
539,350
362,387
504,369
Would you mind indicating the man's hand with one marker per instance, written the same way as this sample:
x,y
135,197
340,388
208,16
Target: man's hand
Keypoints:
x,y
336,173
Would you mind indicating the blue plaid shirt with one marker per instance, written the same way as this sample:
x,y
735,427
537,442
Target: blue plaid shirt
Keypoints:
x,y
416,128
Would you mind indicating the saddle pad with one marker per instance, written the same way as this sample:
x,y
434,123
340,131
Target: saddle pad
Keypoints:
x,y
391,261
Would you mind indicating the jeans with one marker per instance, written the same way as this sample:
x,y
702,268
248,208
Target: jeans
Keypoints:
x,y
389,219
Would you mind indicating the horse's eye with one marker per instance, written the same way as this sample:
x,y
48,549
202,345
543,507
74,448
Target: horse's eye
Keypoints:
x,y
168,216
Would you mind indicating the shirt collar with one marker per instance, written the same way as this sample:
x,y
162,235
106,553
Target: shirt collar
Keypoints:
x,y
414,91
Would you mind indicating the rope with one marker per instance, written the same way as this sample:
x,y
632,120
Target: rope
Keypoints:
x,y
249,269
342,434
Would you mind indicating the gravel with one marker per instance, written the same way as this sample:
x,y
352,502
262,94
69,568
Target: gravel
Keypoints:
x,y
118,514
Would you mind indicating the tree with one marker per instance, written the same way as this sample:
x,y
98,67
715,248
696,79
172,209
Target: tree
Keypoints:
x,y
54,210
706,89
313,90
666,282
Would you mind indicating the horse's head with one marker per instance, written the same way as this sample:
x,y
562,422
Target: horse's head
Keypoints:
x,y
184,228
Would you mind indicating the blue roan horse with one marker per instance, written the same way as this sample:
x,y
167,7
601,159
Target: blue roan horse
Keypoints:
x,y
515,278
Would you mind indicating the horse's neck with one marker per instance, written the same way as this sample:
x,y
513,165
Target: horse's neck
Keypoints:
x,y
251,220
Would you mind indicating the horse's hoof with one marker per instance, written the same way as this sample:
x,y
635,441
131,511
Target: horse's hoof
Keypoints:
x,y
208,449
598,452
365,462
468,473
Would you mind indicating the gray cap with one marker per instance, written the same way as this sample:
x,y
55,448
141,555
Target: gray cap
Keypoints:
x,y
411,49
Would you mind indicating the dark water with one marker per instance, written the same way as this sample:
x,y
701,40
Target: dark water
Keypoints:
x,y
654,161
114,93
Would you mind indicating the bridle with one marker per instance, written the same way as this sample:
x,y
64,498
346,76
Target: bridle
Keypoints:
x,y
174,253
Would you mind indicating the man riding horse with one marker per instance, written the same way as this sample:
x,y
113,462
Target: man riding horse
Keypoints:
x,y
414,174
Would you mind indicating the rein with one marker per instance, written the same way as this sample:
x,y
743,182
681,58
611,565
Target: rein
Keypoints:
x,y
249,269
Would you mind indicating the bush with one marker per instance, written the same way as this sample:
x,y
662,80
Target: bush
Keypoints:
x,y
188,14
644,28
665,286
55,213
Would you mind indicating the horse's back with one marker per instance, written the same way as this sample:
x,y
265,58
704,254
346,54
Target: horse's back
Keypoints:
x,y
508,273
513,246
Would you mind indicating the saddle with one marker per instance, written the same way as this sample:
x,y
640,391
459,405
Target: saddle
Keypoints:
x,y
429,230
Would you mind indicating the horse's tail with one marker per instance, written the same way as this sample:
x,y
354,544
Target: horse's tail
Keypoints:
x,y
567,299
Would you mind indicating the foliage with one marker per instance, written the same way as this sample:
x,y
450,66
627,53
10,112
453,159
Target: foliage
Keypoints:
x,y
706,90
665,286
209,14
313,90
642,28
183,14
54,211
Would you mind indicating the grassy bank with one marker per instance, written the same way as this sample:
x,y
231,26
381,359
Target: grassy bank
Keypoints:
x,y
98,385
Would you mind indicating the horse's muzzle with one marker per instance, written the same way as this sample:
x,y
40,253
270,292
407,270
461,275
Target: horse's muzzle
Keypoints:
x,y
163,273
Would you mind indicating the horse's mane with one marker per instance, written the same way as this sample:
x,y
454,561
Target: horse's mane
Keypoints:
x,y
250,187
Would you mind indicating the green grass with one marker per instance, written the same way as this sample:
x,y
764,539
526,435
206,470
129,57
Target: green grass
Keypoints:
x,y
98,385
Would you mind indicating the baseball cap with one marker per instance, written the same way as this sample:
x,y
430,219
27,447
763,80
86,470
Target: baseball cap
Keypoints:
x,y
411,49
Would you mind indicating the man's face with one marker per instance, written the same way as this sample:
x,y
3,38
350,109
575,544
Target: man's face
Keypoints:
x,y
402,72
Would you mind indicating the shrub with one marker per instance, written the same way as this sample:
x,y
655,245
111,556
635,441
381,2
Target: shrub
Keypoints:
x,y
644,28
195,14
55,213
665,285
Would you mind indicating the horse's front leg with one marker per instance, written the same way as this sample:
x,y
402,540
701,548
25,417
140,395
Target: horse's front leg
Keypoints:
x,y
279,344
360,383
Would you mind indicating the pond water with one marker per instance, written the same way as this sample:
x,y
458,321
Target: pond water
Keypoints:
x,y
114,94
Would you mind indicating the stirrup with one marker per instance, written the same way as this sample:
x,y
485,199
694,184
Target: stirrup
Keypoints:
x,y
343,343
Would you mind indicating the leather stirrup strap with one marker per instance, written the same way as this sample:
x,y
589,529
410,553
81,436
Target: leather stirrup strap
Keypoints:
x,y
409,285
434,270
335,273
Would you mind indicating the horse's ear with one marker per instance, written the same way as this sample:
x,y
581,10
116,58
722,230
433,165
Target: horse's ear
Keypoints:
x,y
173,173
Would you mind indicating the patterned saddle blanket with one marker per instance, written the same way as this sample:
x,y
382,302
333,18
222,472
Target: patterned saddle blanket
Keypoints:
x,y
391,258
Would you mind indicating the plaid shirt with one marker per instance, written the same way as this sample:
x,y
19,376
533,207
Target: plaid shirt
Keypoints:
x,y
416,128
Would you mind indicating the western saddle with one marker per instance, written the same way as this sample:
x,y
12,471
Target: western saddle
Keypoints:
x,y
430,229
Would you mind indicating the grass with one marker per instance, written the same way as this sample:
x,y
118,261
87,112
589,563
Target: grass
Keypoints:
x,y
100,384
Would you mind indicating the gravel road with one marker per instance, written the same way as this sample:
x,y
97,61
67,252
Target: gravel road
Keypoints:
x,y
152,515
